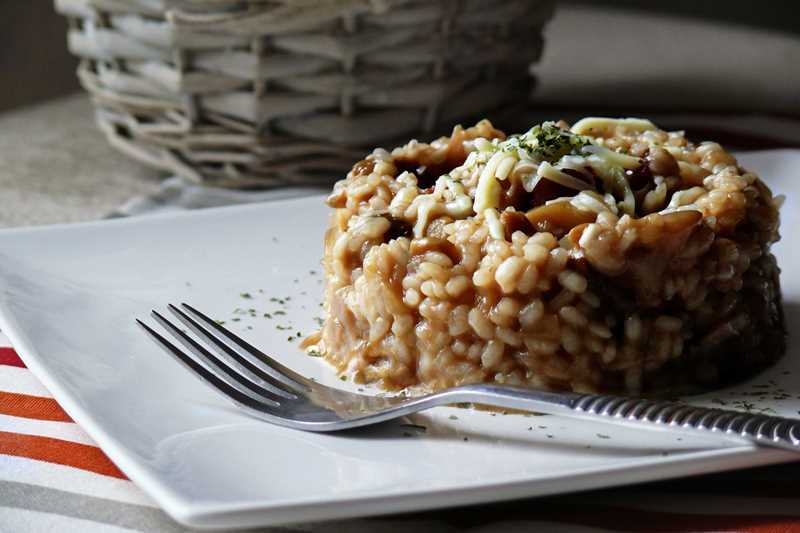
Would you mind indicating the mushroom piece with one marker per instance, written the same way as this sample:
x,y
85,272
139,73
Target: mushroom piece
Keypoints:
x,y
558,217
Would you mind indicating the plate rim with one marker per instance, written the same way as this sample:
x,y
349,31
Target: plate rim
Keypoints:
x,y
273,512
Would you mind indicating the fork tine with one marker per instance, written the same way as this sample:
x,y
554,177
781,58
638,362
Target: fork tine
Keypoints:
x,y
255,386
220,385
253,371
279,371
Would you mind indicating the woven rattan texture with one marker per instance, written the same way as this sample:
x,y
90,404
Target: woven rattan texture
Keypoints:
x,y
258,93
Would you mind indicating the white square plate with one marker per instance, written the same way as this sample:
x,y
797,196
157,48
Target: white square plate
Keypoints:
x,y
69,296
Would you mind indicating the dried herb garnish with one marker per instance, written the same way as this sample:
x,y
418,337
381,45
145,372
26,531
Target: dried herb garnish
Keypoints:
x,y
547,141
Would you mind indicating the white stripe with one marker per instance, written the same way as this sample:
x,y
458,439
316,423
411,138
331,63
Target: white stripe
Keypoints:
x,y
698,503
25,521
4,342
73,479
45,428
21,381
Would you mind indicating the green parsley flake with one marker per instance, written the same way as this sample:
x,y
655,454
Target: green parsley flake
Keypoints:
x,y
547,141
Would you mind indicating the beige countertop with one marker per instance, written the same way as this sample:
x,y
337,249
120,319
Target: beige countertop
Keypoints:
x,y
55,166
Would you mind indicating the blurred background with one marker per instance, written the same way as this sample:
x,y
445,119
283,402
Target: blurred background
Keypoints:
x,y
724,70
594,49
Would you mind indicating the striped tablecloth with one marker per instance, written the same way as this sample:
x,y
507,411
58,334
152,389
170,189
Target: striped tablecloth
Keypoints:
x,y
54,478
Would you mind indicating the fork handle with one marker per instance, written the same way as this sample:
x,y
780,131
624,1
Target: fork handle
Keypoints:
x,y
756,428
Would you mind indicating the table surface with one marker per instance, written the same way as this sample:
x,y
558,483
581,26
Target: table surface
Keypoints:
x,y
55,166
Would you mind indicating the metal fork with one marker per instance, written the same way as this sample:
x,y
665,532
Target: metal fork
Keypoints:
x,y
265,389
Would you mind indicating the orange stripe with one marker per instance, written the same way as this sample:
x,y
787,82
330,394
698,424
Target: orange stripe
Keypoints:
x,y
27,406
59,451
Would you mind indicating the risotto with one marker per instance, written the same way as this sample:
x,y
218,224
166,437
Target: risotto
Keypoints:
x,y
606,256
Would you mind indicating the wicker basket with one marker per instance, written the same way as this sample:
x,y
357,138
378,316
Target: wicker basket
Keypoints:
x,y
256,93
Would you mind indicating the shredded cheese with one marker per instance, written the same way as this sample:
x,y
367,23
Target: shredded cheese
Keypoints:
x,y
495,226
548,171
608,127
607,158
487,194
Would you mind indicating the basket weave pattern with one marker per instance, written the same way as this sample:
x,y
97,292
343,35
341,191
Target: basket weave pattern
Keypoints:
x,y
248,93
